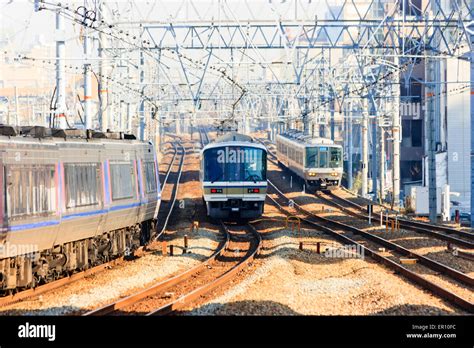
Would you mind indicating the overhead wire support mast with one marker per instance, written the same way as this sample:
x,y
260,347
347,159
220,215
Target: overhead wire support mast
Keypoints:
x,y
471,56
103,70
87,82
59,119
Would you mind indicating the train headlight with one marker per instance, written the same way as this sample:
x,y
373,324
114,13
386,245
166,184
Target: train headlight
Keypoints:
x,y
334,174
312,174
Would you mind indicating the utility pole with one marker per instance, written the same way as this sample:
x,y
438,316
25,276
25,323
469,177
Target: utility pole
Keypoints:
x,y
129,118
87,82
472,119
432,88
382,163
103,70
121,113
142,100
17,108
431,67
374,166
332,118
365,150
396,154
396,139
60,109
348,115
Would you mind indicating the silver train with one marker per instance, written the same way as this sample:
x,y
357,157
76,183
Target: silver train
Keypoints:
x,y
317,161
71,199
234,177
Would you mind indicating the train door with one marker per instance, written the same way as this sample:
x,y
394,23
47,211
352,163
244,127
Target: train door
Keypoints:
x,y
323,157
102,179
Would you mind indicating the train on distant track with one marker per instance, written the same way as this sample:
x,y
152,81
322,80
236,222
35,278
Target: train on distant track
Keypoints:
x,y
233,176
316,161
72,199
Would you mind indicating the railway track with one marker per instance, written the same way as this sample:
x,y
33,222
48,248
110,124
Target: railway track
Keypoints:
x,y
56,284
168,171
239,247
456,237
450,235
446,277
204,136
170,190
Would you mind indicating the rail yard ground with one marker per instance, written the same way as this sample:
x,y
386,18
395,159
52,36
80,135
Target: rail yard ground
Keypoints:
x,y
289,276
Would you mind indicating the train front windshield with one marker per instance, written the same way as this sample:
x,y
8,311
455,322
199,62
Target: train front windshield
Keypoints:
x,y
323,157
235,163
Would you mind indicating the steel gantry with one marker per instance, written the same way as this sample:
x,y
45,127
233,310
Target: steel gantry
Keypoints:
x,y
310,63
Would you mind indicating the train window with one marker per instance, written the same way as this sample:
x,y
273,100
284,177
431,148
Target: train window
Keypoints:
x,y
255,168
311,157
214,166
292,153
323,157
123,180
336,157
30,190
150,177
235,164
81,180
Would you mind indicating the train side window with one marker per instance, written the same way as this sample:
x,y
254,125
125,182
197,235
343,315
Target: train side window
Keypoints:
x,y
292,153
150,177
81,180
30,191
123,180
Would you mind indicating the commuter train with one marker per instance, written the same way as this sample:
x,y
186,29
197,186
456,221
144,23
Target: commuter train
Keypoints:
x,y
317,161
234,177
72,199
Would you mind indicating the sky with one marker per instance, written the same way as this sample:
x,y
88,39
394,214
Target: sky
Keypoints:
x,y
22,26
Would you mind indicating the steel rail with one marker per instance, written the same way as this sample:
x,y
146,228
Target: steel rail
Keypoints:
x,y
175,192
25,294
165,180
223,278
403,223
164,284
459,276
203,134
408,224
415,226
416,278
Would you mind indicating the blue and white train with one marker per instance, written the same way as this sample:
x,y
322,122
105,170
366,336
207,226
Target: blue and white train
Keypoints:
x,y
72,199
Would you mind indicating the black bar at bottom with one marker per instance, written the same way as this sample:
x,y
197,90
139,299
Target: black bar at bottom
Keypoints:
x,y
192,330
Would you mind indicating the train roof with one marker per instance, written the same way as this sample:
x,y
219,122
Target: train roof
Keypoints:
x,y
39,132
236,139
300,137
234,136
